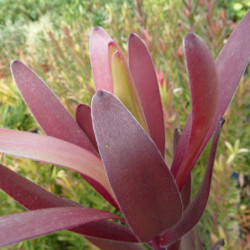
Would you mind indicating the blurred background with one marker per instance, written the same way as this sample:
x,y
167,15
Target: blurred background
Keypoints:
x,y
52,37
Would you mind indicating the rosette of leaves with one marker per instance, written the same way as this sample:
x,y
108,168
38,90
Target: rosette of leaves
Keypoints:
x,y
118,146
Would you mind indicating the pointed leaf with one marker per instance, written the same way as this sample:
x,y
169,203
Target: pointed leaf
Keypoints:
x,y
142,183
52,116
194,211
55,151
143,72
230,65
32,197
112,49
187,188
186,193
47,109
114,245
124,88
189,240
83,118
27,225
204,90
177,135
27,193
182,146
106,230
99,40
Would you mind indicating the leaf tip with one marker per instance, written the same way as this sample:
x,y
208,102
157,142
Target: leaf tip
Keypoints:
x,y
96,29
14,63
100,93
190,42
191,36
112,44
135,40
117,56
133,36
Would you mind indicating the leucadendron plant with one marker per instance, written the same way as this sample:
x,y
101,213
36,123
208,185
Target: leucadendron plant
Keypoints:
x,y
118,147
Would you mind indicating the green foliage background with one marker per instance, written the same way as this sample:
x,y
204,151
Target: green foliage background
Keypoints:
x,y
52,38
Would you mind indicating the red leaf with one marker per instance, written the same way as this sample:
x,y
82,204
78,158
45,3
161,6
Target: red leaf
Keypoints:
x,y
230,65
47,109
114,245
84,120
194,211
186,190
143,185
32,197
186,193
28,194
99,41
177,135
31,224
203,81
55,151
53,117
143,72
182,146
106,230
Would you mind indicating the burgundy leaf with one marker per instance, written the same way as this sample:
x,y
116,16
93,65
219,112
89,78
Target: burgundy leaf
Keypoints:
x,y
55,151
84,120
177,135
230,65
47,109
143,72
28,194
114,245
182,146
108,196
99,56
194,211
187,188
31,224
106,230
186,193
32,197
185,196
53,117
175,246
204,91
141,181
